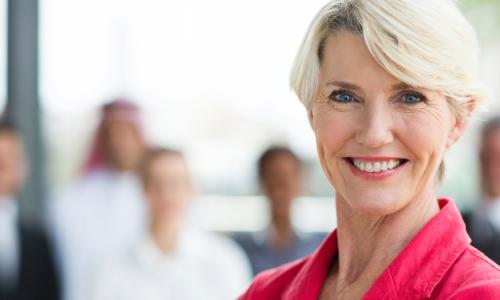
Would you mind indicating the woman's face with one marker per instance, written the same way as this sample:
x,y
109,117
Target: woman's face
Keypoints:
x,y
282,183
379,141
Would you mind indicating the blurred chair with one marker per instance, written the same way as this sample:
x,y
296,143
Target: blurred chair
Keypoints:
x,y
281,178
173,261
102,212
483,222
27,269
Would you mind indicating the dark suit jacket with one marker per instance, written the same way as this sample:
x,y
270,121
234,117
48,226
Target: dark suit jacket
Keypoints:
x,y
484,235
36,278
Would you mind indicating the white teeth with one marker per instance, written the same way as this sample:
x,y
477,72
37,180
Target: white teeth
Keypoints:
x,y
376,166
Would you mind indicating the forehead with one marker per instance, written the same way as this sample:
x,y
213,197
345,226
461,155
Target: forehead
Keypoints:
x,y
119,128
281,162
113,124
168,165
347,58
282,158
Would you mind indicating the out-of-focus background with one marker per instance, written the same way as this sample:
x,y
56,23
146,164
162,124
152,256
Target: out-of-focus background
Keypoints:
x,y
211,79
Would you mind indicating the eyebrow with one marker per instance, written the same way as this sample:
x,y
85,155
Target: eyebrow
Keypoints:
x,y
400,86
354,87
344,85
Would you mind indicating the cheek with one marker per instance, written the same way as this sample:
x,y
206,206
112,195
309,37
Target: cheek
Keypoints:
x,y
333,130
425,135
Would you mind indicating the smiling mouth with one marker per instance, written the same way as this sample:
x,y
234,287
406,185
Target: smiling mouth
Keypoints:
x,y
371,166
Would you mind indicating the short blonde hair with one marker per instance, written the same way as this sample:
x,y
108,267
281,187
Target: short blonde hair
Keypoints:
x,y
423,43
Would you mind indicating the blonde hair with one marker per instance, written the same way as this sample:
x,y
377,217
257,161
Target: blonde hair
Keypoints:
x,y
423,43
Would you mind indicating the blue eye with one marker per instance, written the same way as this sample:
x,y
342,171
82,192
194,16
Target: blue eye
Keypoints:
x,y
412,98
342,97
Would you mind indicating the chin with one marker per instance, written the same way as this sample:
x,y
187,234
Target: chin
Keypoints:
x,y
376,204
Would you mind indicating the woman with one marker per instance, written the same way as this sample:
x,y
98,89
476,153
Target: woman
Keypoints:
x,y
172,260
281,178
389,86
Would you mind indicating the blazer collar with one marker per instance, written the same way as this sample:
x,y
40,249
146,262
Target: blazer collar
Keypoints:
x,y
413,274
433,251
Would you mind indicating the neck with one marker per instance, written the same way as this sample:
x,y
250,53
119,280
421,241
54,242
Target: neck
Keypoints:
x,y
282,230
125,167
6,196
164,235
492,197
123,170
368,244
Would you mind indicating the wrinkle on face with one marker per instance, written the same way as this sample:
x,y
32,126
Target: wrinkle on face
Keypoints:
x,y
376,122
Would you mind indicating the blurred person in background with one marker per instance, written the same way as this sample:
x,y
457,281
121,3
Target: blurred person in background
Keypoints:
x,y
173,261
103,211
27,267
388,86
281,179
483,222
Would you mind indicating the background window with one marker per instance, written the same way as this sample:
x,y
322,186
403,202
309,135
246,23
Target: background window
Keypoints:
x,y
211,78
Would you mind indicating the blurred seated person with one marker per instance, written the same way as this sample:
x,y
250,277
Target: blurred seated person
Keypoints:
x,y
27,269
102,212
483,222
173,261
281,178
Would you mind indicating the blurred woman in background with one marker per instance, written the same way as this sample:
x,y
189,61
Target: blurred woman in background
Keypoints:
x,y
102,212
389,86
173,260
281,179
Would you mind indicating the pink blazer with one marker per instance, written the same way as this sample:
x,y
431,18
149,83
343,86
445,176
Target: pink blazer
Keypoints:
x,y
439,263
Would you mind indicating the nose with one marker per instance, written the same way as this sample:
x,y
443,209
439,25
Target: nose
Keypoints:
x,y
375,128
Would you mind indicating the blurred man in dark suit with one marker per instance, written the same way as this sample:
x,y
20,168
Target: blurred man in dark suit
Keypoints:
x,y
26,265
483,222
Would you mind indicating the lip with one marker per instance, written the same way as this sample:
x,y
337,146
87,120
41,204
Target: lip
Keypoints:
x,y
374,175
375,158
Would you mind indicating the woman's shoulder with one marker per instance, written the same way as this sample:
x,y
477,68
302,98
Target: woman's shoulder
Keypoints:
x,y
477,265
473,276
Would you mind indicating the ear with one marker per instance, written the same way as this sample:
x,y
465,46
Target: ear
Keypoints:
x,y
460,123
